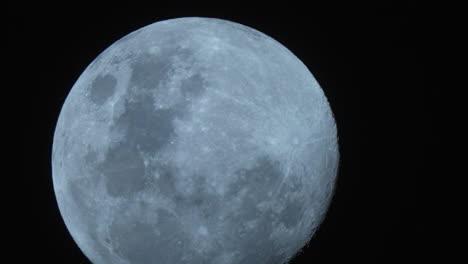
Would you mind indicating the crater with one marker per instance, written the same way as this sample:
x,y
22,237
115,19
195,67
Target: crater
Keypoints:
x,y
102,88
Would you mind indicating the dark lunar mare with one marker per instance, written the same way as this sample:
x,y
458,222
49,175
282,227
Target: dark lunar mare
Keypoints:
x,y
259,181
147,131
103,87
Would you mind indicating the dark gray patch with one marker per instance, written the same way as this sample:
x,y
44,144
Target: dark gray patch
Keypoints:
x,y
166,181
123,170
149,69
254,250
134,240
195,199
87,213
260,179
78,195
148,129
90,157
120,58
206,203
291,215
258,182
142,243
102,88
192,86
265,178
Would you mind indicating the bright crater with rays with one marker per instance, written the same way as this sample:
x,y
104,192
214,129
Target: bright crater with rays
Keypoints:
x,y
194,140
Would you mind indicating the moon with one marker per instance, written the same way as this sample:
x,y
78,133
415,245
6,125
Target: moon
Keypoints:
x,y
194,140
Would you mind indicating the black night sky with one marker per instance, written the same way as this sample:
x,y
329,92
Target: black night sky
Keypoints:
x,y
370,61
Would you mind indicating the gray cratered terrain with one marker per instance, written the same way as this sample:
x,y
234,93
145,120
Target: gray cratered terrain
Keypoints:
x,y
194,140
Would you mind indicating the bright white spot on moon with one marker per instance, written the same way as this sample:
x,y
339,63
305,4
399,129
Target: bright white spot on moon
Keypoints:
x,y
194,140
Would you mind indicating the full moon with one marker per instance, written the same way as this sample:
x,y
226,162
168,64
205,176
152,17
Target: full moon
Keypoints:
x,y
194,140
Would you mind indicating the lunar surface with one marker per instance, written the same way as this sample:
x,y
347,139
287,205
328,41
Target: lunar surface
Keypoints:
x,y
194,140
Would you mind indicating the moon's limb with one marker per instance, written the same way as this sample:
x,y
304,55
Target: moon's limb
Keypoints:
x,y
194,140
